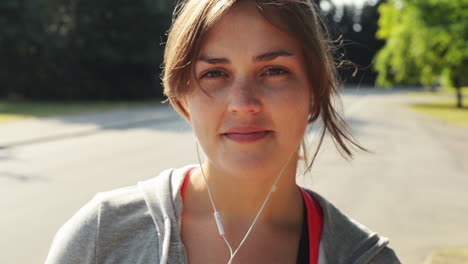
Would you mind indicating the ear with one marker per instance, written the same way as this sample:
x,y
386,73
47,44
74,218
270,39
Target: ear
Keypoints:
x,y
314,111
183,104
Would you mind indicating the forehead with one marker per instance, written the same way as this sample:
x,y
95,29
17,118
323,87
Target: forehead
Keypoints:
x,y
245,28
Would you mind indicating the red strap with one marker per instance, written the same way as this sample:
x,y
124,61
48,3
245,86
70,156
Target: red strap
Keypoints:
x,y
315,223
314,219
184,184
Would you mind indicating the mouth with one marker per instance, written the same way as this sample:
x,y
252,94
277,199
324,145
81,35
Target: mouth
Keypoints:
x,y
247,134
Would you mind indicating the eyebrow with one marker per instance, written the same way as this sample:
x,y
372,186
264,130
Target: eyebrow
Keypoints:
x,y
268,56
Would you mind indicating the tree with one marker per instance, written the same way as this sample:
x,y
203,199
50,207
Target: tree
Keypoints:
x,y
116,45
427,43
82,49
356,26
22,40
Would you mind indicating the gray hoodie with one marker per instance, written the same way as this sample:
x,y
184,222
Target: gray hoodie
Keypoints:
x,y
141,224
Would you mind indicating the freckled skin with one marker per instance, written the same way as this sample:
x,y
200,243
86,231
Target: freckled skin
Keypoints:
x,y
273,94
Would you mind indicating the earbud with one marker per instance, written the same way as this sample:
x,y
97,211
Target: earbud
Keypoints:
x,y
217,216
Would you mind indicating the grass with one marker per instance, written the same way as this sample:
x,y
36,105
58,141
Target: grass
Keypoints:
x,y
442,106
443,93
15,111
449,256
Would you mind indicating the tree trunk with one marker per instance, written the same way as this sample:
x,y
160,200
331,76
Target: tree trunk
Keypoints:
x,y
459,97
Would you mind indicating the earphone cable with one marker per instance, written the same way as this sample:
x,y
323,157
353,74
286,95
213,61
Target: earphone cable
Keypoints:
x,y
218,217
216,213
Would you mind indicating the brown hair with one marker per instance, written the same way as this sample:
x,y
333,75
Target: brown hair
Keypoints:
x,y
194,18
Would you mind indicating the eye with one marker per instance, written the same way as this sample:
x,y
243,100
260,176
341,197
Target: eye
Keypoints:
x,y
276,71
214,74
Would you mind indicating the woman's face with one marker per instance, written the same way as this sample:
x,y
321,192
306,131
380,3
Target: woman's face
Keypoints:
x,y
254,113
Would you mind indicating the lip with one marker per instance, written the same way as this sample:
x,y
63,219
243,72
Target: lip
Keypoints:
x,y
247,134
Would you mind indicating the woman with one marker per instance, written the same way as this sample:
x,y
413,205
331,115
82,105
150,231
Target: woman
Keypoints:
x,y
249,76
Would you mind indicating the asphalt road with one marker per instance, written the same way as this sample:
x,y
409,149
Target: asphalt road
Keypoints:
x,y
412,189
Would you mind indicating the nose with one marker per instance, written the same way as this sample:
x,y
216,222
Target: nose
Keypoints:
x,y
244,98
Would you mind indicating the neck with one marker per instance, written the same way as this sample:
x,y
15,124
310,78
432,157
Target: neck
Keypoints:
x,y
239,198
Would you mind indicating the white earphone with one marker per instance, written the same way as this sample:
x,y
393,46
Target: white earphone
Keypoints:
x,y
217,216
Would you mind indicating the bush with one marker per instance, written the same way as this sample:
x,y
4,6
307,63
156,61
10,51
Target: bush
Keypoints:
x,y
81,49
116,44
22,41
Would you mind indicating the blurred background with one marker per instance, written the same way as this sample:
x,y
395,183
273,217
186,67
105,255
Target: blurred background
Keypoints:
x,y
81,112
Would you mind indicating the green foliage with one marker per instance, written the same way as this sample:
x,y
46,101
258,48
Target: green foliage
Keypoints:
x,y
117,46
22,41
357,27
427,42
82,49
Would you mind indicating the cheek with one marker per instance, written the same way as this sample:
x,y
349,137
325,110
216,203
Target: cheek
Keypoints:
x,y
292,95
291,106
204,116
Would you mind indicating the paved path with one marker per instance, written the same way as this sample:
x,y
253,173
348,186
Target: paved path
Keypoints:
x,y
55,128
413,189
